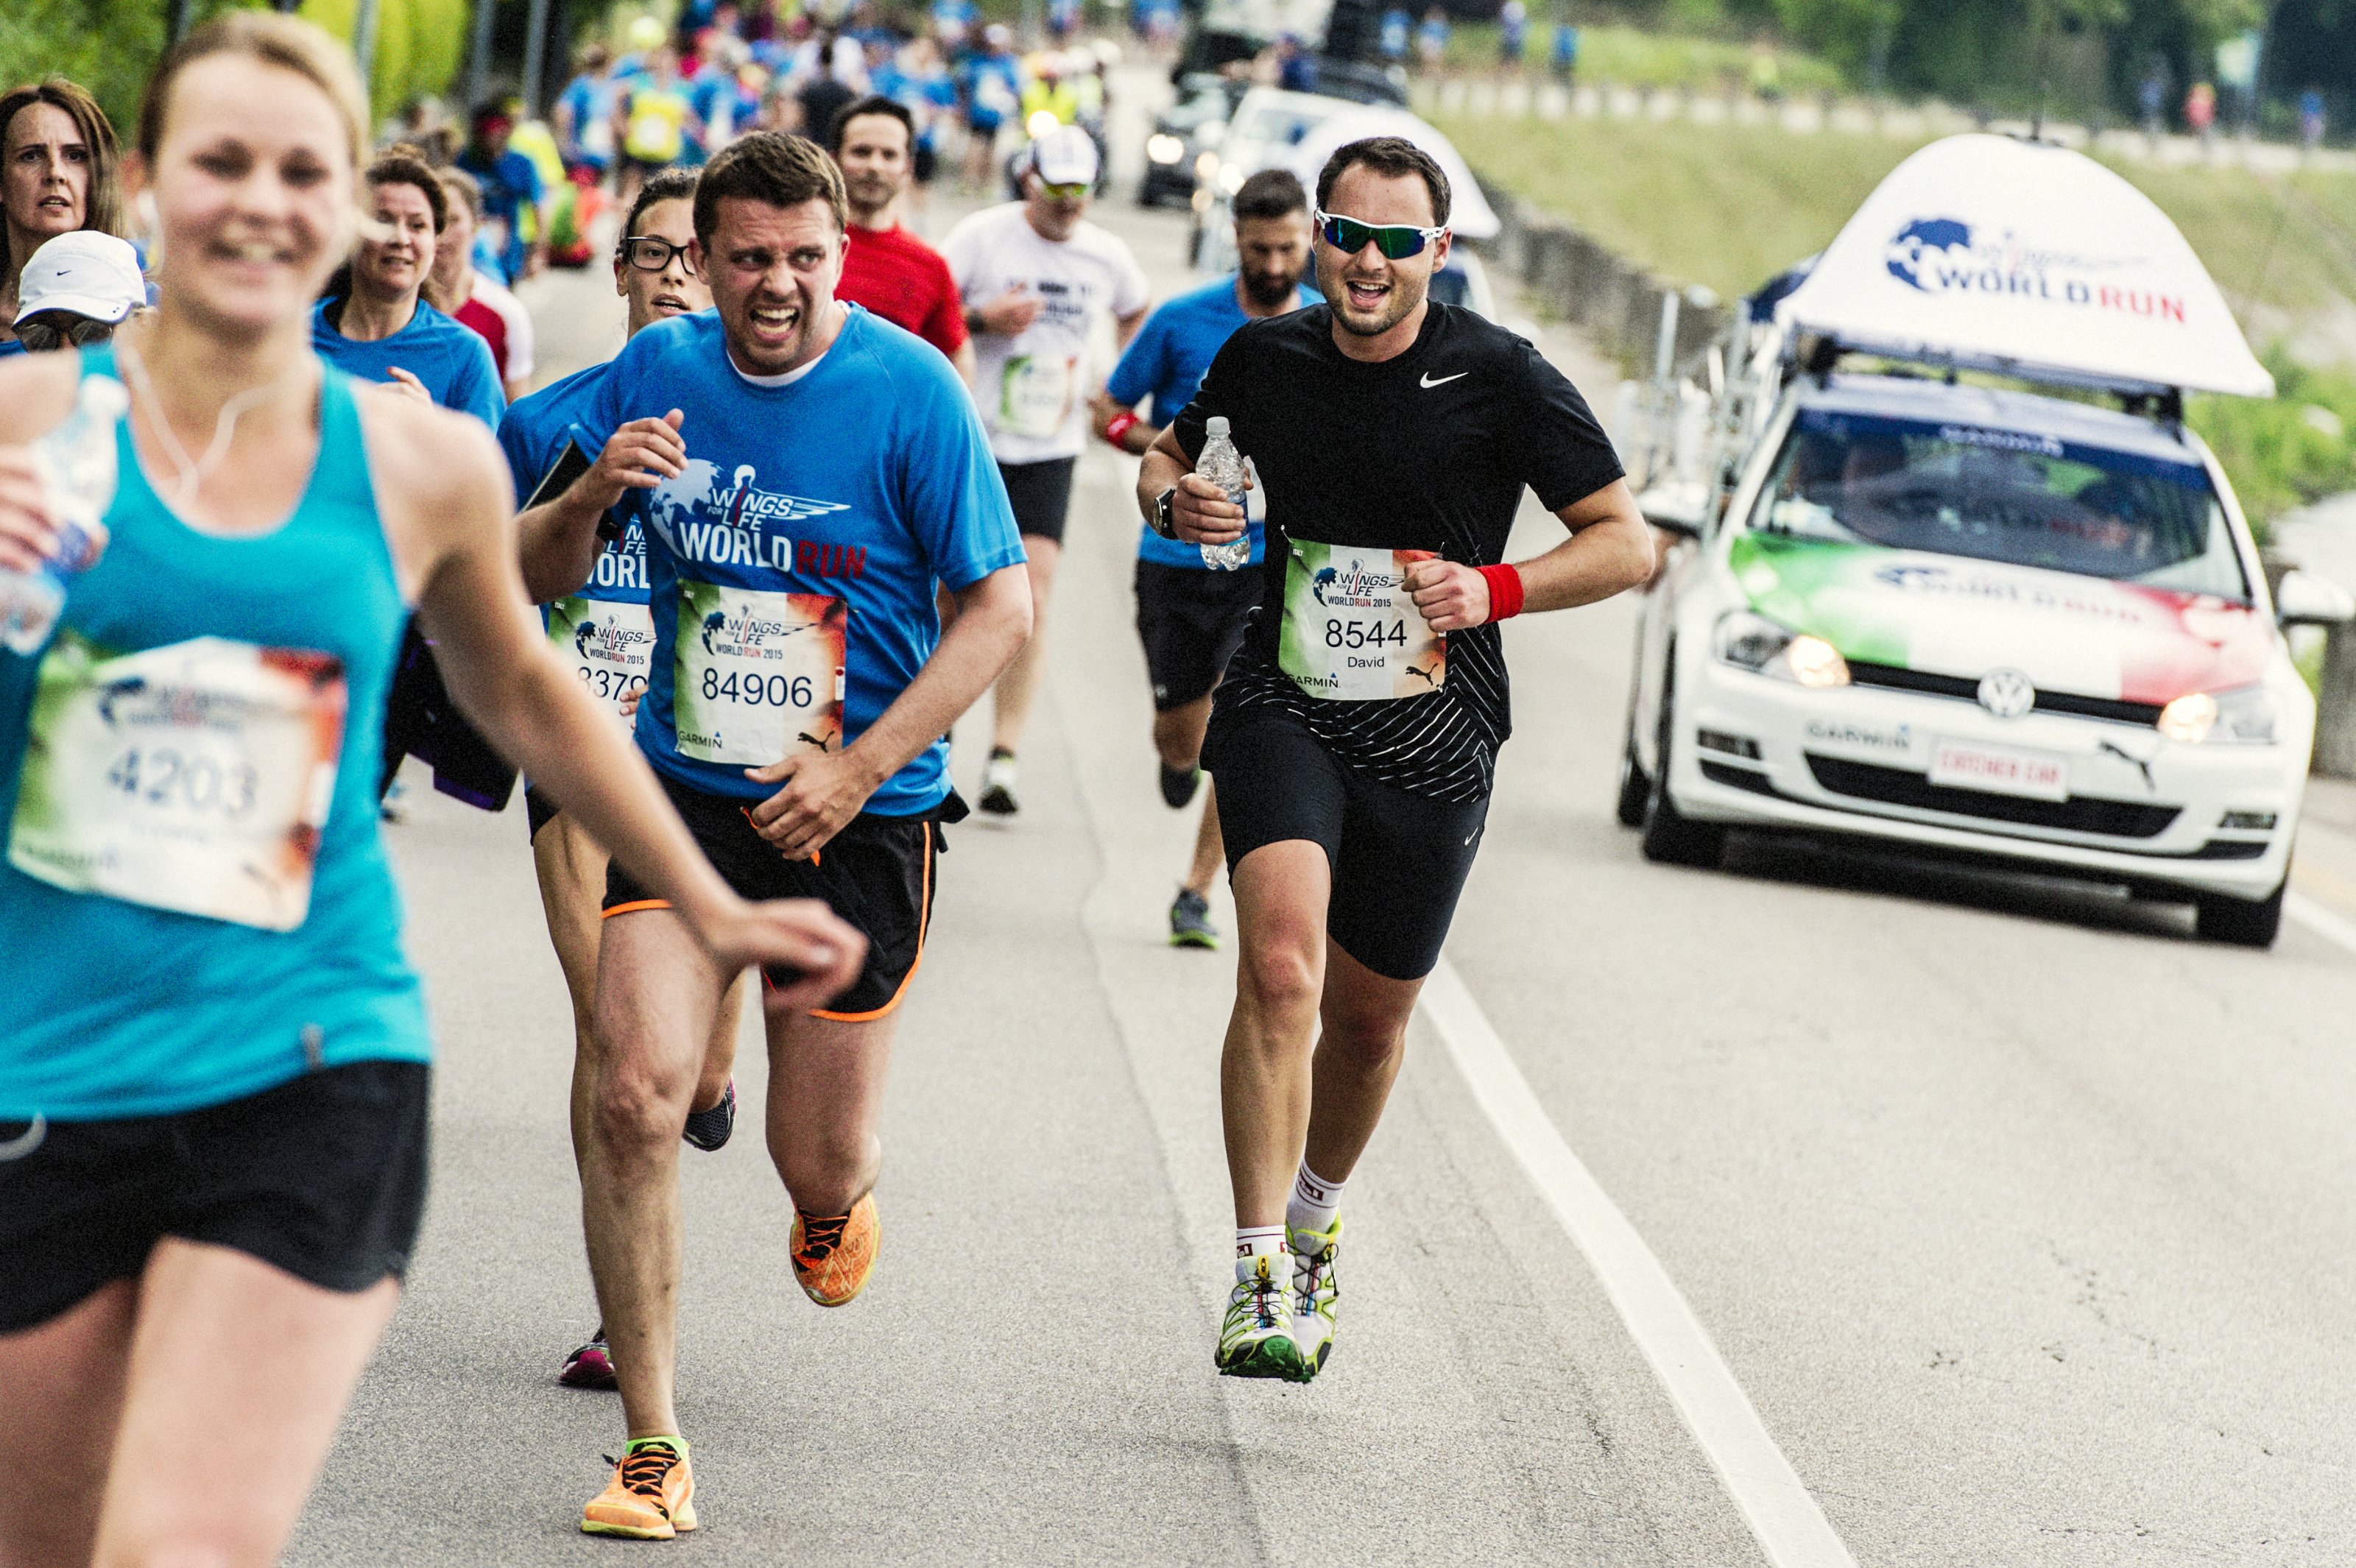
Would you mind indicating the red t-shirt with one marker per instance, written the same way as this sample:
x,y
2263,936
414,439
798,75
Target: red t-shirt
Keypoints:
x,y
493,330
905,281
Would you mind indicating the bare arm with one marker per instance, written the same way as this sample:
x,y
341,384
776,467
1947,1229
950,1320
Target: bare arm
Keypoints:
x,y
1103,409
1610,550
1200,510
557,540
449,527
824,791
964,360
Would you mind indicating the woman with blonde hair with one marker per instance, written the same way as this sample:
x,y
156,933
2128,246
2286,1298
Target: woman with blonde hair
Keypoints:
x,y
213,1081
58,174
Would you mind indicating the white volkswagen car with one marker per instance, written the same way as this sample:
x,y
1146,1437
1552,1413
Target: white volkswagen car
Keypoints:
x,y
1987,623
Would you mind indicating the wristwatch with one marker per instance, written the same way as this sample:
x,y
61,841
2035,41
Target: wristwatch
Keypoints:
x,y
1164,520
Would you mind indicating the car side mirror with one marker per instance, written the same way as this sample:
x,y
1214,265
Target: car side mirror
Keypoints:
x,y
1676,508
2306,599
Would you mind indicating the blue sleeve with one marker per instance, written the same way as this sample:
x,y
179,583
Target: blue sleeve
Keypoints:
x,y
475,382
950,491
1140,371
515,444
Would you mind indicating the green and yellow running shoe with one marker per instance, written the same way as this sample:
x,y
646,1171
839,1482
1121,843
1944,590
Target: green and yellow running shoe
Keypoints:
x,y
1316,1293
1256,1339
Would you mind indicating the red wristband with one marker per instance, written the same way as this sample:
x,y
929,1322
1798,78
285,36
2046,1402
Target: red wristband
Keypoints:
x,y
1117,428
1504,591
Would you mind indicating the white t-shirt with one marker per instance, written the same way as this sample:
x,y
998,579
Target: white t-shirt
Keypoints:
x,y
1034,388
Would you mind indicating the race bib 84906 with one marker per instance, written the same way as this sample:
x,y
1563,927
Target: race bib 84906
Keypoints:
x,y
1351,630
194,777
757,674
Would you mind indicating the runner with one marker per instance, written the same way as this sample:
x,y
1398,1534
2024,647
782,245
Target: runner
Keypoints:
x,y
1354,739
604,634
1036,276
377,325
58,174
475,300
213,1080
1191,615
805,474
887,268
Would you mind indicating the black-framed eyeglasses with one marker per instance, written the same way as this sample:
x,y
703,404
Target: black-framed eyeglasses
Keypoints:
x,y
40,336
1397,242
649,254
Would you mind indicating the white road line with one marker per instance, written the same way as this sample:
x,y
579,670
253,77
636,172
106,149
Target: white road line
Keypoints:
x,y
1784,1518
2336,929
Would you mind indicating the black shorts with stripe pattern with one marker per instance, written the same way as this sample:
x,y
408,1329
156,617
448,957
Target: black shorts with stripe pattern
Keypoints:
x,y
877,874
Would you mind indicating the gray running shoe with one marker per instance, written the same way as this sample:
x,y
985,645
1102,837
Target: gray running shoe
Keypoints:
x,y
1189,922
709,1130
1178,786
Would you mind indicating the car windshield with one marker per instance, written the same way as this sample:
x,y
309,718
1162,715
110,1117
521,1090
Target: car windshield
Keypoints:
x,y
1274,125
2002,494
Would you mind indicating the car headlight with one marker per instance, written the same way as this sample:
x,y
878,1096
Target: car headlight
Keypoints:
x,y
1757,643
1231,178
2244,716
1164,148
1206,166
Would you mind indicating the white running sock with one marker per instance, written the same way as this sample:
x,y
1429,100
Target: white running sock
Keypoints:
x,y
1315,1201
1259,1240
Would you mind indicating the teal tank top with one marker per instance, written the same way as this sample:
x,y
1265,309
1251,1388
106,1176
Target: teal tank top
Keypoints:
x,y
111,1007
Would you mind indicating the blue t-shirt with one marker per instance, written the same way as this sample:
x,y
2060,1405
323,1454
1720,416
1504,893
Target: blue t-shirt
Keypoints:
x,y
534,435
452,361
864,481
510,185
1166,359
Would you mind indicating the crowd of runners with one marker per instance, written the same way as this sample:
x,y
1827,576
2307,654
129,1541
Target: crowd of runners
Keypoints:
x,y
806,518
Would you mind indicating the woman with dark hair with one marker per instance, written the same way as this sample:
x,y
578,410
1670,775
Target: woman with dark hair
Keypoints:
x,y
56,174
377,325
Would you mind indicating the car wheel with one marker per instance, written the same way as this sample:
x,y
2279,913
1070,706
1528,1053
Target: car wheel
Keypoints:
x,y
2238,920
1633,785
1672,838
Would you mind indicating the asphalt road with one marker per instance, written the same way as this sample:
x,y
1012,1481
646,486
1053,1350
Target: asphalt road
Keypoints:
x,y
2021,1218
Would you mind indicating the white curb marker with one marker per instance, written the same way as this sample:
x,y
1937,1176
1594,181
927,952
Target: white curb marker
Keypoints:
x,y
2334,928
1782,1514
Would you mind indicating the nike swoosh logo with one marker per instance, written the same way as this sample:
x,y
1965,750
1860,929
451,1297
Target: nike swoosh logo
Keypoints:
x,y
1427,383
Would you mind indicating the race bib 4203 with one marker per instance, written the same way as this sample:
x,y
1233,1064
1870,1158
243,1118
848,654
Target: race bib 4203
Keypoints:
x,y
1351,631
756,675
194,777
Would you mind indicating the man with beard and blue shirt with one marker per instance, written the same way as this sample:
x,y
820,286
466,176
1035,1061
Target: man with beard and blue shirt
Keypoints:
x,y
807,474
604,634
1190,614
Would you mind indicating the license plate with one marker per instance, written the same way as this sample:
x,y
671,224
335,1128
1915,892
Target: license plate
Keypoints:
x,y
2000,770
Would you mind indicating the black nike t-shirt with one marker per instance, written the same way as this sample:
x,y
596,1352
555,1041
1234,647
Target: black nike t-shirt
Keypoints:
x,y
1426,450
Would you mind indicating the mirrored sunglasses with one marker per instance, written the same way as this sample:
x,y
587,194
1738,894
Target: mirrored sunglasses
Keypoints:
x,y
1397,242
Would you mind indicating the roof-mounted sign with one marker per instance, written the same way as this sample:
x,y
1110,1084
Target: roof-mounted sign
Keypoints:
x,y
2031,260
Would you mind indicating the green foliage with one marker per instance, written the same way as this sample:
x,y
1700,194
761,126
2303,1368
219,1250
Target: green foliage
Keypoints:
x,y
419,45
2288,451
1625,56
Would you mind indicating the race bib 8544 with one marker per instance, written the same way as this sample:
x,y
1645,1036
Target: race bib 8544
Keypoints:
x,y
194,777
1351,630
757,674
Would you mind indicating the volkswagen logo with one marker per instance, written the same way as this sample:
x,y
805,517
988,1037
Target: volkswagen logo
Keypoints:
x,y
2007,693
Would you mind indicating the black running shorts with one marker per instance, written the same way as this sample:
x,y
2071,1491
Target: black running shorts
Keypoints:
x,y
540,809
877,873
323,1177
1190,623
1041,494
1398,860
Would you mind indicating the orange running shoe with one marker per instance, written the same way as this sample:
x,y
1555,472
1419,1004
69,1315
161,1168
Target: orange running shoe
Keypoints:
x,y
651,1497
833,1256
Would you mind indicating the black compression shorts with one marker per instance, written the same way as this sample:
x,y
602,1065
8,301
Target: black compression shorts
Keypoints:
x,y
877,873
1398,860
1191,623
323,1177
1041,494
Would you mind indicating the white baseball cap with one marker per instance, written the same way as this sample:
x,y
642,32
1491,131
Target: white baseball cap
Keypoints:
x,y
86,272
1065,155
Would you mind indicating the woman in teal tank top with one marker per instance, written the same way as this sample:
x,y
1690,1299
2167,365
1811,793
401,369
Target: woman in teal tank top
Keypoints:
x,y
213,1080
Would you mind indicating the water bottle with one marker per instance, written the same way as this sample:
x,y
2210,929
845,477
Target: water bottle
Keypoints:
x,y
1223,465
76,464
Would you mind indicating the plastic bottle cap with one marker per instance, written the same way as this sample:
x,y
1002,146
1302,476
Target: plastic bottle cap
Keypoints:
x,y
1215,425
